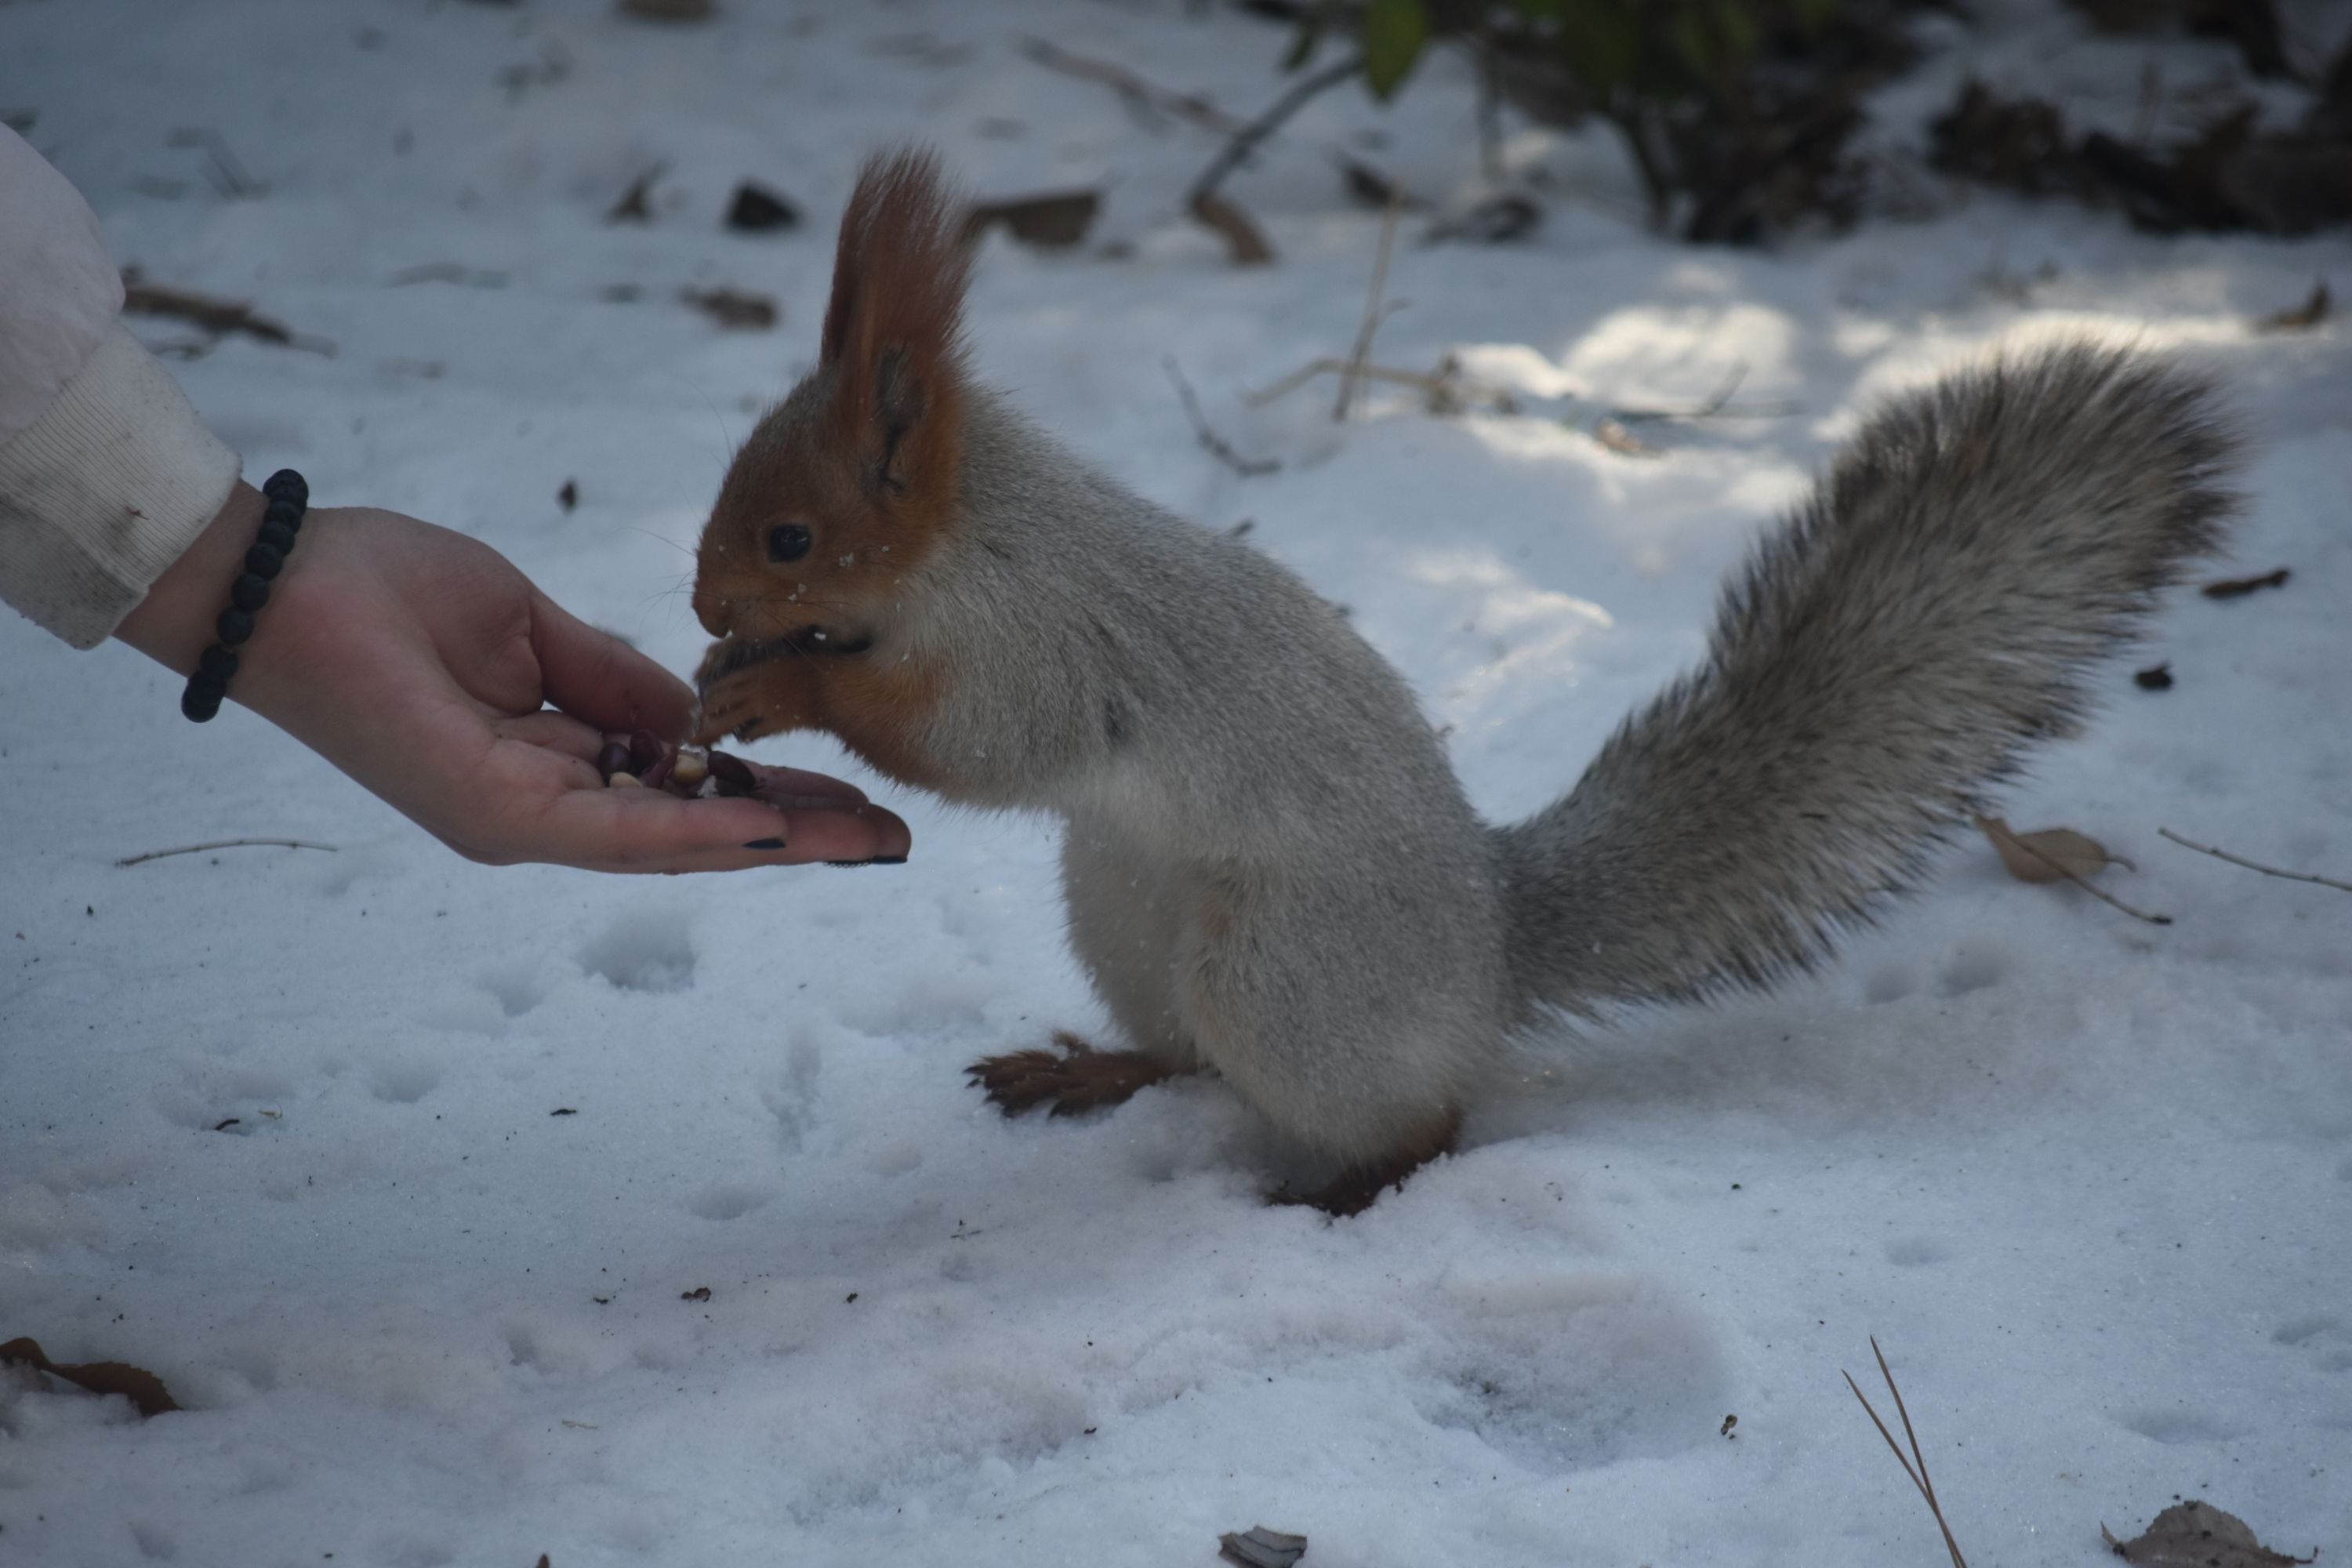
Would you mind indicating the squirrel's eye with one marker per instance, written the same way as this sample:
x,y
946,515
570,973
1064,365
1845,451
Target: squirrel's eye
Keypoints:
x,y
788,541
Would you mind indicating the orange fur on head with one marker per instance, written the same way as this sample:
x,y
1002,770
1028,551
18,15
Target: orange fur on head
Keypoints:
x,y
851,481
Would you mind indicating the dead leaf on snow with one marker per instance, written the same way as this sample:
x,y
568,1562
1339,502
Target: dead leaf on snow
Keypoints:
x,y
2303,317
733,307
756,209
1052,221
1258,1547
142,1388
2048,854
217,317
2199,1535
1613,435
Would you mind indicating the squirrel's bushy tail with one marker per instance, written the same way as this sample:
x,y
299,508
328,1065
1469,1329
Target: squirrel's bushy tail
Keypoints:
x,y
1884,657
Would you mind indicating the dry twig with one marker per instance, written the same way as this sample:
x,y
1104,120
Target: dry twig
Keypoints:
x,y
2238,588
1718,406
1210,442
225,844
637,203
1918,1477
2253,865
1375,308
1139,94
1244,238
1449,391
1146,99
1246,139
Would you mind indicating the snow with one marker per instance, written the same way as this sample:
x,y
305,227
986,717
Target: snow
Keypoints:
x,y
2089,1182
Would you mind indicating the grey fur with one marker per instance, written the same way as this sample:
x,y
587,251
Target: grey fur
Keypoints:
x,y
1271,869
1885,657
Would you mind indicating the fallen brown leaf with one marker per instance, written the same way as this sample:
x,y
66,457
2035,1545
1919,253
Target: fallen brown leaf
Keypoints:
x,y
1054,221
1617,438
2199,1535
1370,187
1258,1547
755,209
215,316
142,1388
1496,221
1244,242
733,307
2048,854
2303,317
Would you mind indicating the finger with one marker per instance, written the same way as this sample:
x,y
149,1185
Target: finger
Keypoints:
x,y
553,731
789,789
790,838
649,830
595,675
868,833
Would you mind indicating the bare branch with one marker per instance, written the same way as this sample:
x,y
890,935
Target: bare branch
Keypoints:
x,y
1141,94
1245,139
1719,405
225,844
1447,388
2253,865
1374,309
1919,1475
1210,442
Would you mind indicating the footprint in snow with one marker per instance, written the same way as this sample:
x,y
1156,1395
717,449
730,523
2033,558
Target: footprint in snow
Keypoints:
x,y
643,951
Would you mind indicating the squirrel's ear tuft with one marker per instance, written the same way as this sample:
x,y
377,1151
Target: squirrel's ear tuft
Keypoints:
x,y
894,331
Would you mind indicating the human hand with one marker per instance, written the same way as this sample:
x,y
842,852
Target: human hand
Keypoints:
x,y
424,665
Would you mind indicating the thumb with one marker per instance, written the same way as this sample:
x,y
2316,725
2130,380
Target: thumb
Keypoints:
x,y
598,679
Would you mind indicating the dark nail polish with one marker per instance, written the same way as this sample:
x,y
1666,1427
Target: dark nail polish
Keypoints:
x,y
888,860
765,843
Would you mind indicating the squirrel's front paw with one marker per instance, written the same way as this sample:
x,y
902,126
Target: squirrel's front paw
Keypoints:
x,y
748,691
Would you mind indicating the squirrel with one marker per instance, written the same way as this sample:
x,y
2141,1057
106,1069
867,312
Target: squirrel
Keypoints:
x,y
1270,867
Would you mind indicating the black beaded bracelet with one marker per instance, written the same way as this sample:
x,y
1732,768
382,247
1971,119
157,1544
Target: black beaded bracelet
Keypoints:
x,y
290,497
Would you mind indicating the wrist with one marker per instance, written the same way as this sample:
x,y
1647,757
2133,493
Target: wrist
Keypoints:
x,y
174,623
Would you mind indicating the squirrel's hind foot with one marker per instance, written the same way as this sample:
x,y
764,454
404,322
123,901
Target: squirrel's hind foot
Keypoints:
x,y
1079,1078
1359,1187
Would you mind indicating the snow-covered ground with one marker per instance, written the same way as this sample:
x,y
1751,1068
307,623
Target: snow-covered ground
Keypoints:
x,y
2089,1181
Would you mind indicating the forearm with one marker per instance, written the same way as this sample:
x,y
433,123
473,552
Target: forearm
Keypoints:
x,y
106,472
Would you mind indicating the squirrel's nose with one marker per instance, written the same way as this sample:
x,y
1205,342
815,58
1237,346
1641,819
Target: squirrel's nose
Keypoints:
x,y
711,611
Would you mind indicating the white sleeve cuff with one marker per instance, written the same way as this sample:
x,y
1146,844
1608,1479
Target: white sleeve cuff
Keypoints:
x,y
104,491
